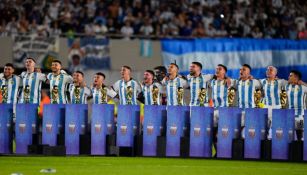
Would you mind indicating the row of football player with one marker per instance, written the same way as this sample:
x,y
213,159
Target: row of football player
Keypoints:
x,y
224,91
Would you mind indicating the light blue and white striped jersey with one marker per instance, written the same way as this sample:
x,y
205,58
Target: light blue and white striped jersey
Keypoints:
x,y
84,93
120,88
219,92
196,84
171,89
34,82
297,98
246,89
61,81
96,93
13,84
272,90
147,92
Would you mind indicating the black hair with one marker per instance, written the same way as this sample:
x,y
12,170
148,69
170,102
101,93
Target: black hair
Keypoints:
x,y
79,72
248,66
297,73
151,72
9,65
101,74
198,64
57,61
225,68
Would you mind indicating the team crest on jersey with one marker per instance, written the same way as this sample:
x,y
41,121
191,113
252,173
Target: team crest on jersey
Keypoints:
x,y
173,84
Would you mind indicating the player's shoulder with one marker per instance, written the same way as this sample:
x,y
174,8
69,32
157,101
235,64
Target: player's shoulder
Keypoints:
x,y
23,74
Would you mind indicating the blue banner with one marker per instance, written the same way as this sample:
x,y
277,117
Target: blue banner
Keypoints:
x,y
75,124
201,131
128,124
53,114
6,121
282,132
258,53
228,128
102,124
255,127
176,118
154,120
26,123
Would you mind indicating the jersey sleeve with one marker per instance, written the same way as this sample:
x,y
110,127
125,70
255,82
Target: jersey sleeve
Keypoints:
x,y
116,86
164,82
184,83
257,84
49,76
42,77
160,87
284,82
138,87
208,77
87,91
233,83
111,93
68,78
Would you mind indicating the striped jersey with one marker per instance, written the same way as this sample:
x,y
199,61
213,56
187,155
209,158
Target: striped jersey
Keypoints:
x,y
59,82
246,89
148,95
31,87
97,95
219,92
79,97
196,84
272,90
120,87
171,89
297,98
12,86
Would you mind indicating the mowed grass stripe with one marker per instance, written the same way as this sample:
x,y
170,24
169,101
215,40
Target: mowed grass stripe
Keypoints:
x,y
136,165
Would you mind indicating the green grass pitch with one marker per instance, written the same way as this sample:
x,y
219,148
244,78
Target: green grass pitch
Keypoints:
x,y
141,166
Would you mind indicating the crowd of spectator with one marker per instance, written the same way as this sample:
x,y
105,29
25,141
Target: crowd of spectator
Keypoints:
x,y
156,18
